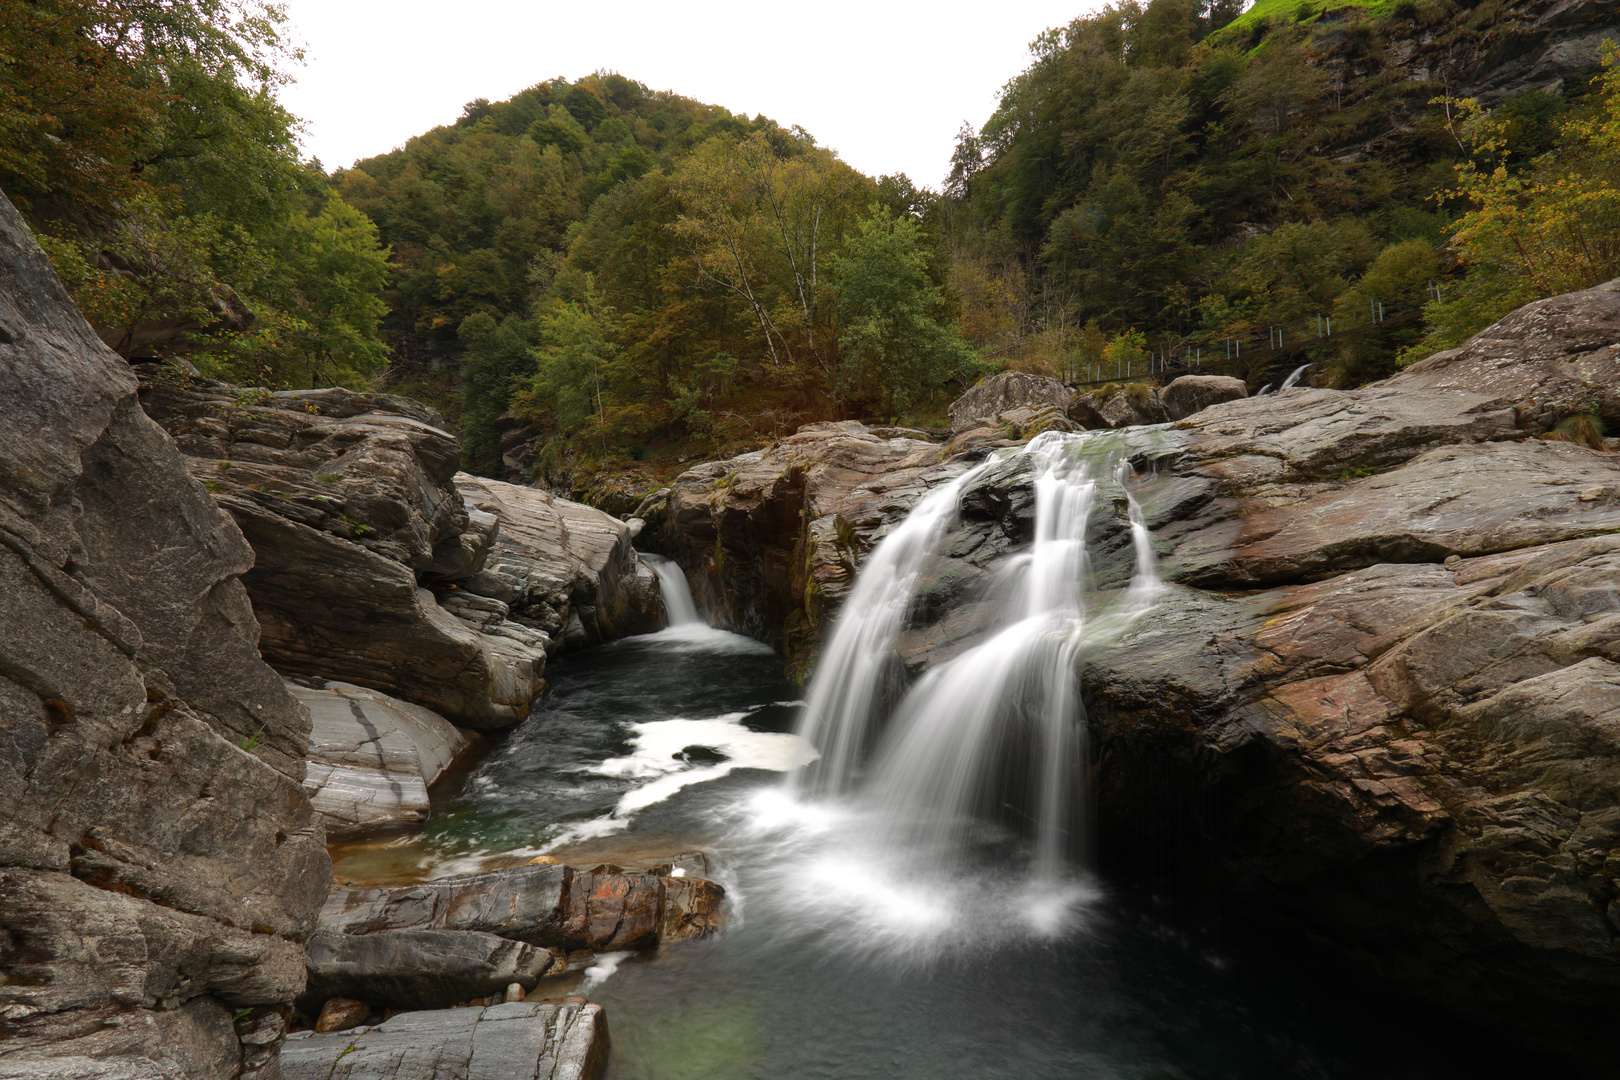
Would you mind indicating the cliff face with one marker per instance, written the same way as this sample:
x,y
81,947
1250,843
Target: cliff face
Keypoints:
x,y
159,863
1379,701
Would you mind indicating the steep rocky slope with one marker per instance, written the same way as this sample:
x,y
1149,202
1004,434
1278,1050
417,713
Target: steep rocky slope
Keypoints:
x,y
160,866
1380,697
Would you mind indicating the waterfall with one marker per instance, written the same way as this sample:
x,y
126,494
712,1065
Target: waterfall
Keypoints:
x,y
1293,380
677,594
997,734
861,669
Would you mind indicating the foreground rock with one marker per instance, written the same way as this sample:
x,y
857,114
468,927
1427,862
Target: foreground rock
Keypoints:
x,y
157,878
550,905
445,942
372,757
1379,703
564,1040
418,969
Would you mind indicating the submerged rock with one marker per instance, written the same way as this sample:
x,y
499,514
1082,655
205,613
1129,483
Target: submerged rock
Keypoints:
x,y
562,1040
160,866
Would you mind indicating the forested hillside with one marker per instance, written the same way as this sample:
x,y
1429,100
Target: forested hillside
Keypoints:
x,y
595,273
1168,174
628,271
145,145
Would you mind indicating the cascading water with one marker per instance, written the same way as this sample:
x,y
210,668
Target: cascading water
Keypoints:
x,y
677,594
994,739
1293,380
860,660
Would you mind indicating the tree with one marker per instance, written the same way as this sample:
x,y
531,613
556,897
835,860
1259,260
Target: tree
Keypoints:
x,y
321,288
1547,227
895,348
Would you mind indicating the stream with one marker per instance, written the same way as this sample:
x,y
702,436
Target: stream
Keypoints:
x,y
830,966
902,864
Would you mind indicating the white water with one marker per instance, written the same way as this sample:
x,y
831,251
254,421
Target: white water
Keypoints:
x,y
859,670
676,593
1293,380
993,740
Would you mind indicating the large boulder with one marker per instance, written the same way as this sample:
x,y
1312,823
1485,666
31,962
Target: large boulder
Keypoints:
x,y
986,400
558,566
1547,360
160,866
1189,394
372,758
540,1040
1132,406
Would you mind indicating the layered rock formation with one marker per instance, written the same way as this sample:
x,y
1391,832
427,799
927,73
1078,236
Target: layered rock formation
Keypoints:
x,y
561,567
370,559
773,537
372,757
1378,700
160,866
443,942
545,1040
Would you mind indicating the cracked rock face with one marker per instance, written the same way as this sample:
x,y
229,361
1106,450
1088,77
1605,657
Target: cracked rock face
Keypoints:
x,y
372,758
348,502
1379,702
160,866
372,554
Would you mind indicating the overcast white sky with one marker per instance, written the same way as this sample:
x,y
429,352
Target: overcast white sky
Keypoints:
x,y
883,83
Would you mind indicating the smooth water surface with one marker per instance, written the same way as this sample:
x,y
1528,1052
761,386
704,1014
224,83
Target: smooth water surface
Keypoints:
x,y
844,960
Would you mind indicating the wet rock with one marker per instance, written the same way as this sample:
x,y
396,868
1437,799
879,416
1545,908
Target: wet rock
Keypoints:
x,y
159,864
418,969
372,757
551,905
525,903
565,1040
341,1014
1189,394
605,909
983,404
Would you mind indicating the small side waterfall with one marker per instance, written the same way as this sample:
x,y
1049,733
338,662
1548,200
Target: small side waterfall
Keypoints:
x,y
994,738
677,594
